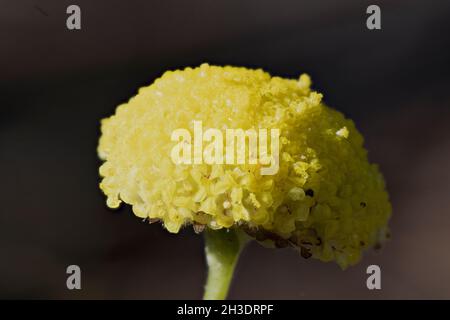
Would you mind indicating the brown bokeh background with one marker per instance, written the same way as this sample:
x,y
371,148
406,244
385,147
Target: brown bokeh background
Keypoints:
x,y
57,84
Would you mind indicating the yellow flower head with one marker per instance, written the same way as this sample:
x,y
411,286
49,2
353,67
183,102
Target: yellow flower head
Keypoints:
x,y
325,199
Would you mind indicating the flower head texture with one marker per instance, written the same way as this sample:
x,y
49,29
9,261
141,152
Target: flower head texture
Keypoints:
x,y
326,199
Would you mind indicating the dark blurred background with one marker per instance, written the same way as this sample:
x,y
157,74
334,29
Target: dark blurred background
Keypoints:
x,y
57,84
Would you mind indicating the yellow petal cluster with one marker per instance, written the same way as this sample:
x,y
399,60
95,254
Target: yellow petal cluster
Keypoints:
x,y
327,200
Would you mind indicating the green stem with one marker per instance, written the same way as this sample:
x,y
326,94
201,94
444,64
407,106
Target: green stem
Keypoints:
x,y
222,248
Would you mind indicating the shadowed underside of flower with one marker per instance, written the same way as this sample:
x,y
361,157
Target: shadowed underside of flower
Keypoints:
x,y
326,199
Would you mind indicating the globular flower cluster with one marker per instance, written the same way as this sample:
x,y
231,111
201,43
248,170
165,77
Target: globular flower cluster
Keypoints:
x,y
326,199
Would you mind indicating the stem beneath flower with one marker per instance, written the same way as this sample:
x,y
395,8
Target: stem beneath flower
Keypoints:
x,y
222,249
